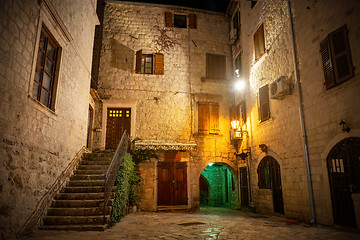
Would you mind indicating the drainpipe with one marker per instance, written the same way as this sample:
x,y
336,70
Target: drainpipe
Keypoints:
x,y
301,112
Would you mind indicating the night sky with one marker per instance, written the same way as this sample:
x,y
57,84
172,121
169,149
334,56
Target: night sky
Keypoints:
x,y
212,5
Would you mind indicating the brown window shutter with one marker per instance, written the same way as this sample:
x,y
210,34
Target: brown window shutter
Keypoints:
x,y
138,61
158,64
327,63
169,19
341,56
172,156
203,117
256,46
261,40
192,21
264,112
214,118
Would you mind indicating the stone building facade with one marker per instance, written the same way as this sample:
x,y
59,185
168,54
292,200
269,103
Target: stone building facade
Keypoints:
x,y
277,119
43,113
157,63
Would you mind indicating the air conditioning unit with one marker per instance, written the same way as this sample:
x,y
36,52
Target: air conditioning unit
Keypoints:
x,y
279,88
233,35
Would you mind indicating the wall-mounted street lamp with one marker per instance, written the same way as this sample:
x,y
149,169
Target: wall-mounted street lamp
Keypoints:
x,y
344,127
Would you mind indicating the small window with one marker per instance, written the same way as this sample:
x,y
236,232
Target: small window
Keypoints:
x,y
215,66
259,42
208,118
263,103
336,58
44,79
149,63
236,25
179,21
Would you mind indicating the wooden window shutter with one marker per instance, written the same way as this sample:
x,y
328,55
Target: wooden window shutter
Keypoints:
x,y
169,19
256,45
192,21
158,64
138,61
203,117
327,64
341,56
264,111
261,40
214,118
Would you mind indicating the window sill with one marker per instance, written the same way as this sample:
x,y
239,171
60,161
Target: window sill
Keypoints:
x,y
41,107
206,135
265,122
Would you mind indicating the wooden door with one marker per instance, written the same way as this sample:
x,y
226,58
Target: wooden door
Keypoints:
x,y
244,188
118,120
343,168
276,186
172,183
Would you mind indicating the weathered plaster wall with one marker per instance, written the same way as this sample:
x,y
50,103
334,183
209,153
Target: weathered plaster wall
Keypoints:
x,y
165,105
36,144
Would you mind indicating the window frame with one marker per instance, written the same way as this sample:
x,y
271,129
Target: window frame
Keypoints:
x,y
156,60
190,20
259,42
178,22
38,87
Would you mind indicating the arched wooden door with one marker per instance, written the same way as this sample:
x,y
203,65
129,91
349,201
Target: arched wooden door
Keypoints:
x,y
270,178
343,164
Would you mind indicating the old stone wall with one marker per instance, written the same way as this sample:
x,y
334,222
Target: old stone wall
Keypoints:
x,y
164,107
323,109
36,143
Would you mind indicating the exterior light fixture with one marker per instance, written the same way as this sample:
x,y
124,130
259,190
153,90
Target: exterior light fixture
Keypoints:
x,y
344,128
210,164
236,130
243,154
240,85
263,148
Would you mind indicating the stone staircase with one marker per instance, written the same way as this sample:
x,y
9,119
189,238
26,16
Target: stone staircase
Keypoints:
x,y
80,205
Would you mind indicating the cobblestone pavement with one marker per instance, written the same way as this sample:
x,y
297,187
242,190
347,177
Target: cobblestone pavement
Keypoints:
x,y
209,223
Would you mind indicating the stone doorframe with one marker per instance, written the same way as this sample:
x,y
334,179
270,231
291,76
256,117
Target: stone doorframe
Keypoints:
x,y
117,104
330,144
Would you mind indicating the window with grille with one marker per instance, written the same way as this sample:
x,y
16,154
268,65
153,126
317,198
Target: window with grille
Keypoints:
x,y
215,66
259,42
45,69
264,103
208,118
149,63
264,179
336,58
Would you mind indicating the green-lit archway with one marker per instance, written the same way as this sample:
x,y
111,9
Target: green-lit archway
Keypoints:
x,y
218,186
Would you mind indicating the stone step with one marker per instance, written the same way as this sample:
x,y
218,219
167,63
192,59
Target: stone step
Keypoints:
x,y
84,183
93,211
98,157
75,220
74,227
88,177
80,203
90,172
85,189
99,162
81,196
93,167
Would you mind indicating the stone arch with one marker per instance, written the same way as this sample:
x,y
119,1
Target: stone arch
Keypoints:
x,y
323,156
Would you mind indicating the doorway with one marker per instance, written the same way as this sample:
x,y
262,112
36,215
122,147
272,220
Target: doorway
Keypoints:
x,y
118,120
172,183
270,178
244,188
343,163
89,128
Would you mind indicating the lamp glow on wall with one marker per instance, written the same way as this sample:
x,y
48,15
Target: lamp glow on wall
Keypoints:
x,y
235,126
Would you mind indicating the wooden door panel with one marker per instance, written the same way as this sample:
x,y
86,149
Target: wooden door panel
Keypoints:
x,y
118,120
180,188
244,193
